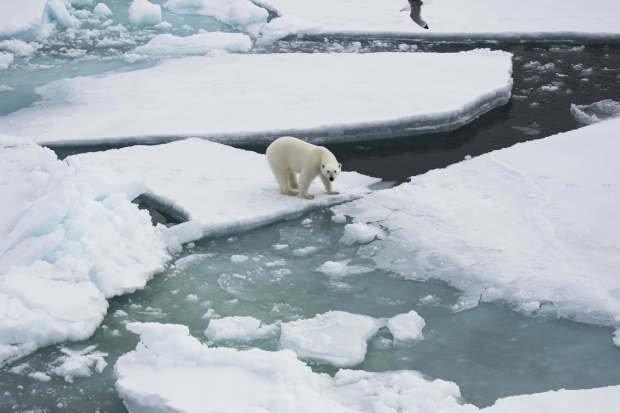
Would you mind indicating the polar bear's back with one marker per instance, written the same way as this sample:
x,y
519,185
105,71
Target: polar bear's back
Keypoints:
x,y
289,152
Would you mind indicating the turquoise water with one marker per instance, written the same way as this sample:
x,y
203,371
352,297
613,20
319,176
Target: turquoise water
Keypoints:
x,y
490,351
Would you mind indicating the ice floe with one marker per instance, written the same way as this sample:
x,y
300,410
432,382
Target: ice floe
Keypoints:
x,y
197,44
319,95
143,12
201,182
595,112
240,14
336,337
239,328
535,224
27,19
171,371
493,19
406,327
68,241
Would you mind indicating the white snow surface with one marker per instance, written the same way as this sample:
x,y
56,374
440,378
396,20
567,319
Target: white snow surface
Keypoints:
x,y
197,44
595,112
320,94
336,337
171,371
202,182
68,241
494,19
406,327
535,224
600,400
143,12
240,14
28,17
239,328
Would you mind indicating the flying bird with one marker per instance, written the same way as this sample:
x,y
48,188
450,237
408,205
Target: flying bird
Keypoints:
x,y
415,6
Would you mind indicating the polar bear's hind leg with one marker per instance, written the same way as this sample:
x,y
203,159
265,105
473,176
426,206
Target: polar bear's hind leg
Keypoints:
x,y
292,180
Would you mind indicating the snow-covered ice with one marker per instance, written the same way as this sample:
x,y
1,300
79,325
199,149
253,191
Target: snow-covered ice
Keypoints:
x,y
197,44
406,327
239,14
493,19
336,337
171,371
68,241
535,224
239,328
603,400
200,181
595,112
276,94
27,19
143,12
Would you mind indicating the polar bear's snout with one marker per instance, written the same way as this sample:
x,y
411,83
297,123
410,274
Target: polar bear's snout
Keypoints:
x,y
331,178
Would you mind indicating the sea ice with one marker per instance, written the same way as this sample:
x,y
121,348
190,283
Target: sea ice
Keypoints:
x,y
360,233
79,363
595,112
485,19
197,181
26,19
5,60
240,14
601,400
342,268
197,44
240,329
143,12
532,223
406,327
102,10
68,241
336,337
57,11
170,371
314,94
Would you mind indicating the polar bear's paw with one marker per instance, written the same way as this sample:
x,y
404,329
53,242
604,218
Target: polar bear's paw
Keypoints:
x,y
307,196
290,192
333,193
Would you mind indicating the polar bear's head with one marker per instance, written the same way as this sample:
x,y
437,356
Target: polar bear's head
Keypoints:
x,y
331,170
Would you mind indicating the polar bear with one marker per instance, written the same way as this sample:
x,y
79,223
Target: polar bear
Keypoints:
x,y
288,156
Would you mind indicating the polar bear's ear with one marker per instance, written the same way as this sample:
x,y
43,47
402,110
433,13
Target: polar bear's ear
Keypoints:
x,y
340,166
323,165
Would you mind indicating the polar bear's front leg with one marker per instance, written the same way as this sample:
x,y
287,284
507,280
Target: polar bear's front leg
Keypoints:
x,y
305,179
328,185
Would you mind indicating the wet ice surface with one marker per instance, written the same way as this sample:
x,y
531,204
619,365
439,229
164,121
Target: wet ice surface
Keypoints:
x,y
274,276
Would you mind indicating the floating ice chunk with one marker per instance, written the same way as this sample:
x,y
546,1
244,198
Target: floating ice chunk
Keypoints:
x,y
27,18
138,104
341,268
79,363
82,3
360,233
144,13
595,112
102,10
466,302
601,400
336,337
242,329
240,14
617,337
172,371
57,11
197,44
406,327
5,60
19,47
38,375
339,219
557,198
238,258
68,241
305,251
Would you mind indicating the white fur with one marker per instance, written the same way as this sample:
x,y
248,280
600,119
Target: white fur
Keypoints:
x,y
288,156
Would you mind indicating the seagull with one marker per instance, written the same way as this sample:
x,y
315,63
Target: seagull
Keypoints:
x,y
415,7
